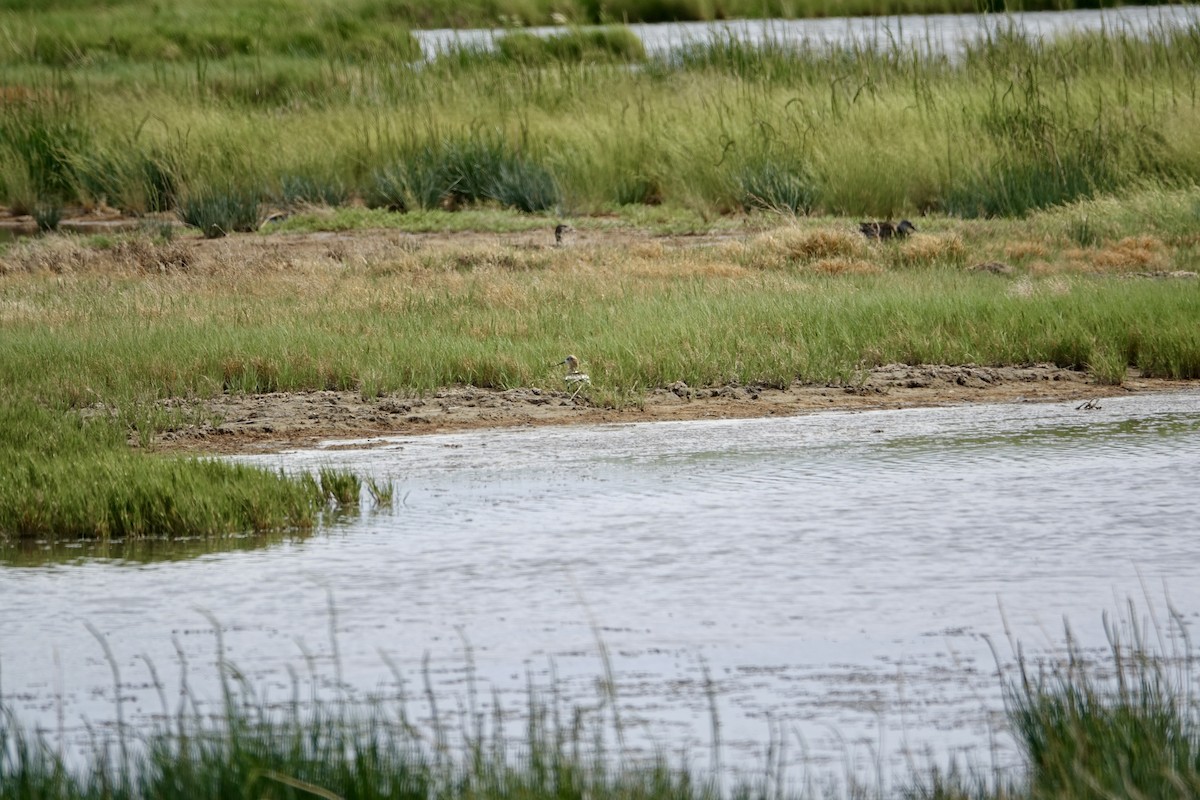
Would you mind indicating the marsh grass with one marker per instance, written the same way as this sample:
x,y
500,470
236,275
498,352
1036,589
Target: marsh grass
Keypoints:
x,y
312,189
455,172
219,211
592,45
116,495
386,315
115,339
772,186
1125,727
72,477
42,131
1014,126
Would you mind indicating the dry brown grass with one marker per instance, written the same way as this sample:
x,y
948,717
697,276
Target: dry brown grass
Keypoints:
x,y
795,244
1131,254
1025,250
926,248
54,254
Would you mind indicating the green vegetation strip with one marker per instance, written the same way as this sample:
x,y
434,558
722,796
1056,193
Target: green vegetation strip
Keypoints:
x,y
324,107
67,478
1122,727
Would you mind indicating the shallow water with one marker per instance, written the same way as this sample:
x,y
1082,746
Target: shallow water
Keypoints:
x,y
930,33
835,574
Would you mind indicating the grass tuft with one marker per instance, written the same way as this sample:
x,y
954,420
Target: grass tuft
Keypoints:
x,y
577,46
807,245
219,212
774,187
924,248
455,172
339,487
1086,734
47,215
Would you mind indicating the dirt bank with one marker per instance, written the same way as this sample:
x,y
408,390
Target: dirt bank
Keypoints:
x,y
272,422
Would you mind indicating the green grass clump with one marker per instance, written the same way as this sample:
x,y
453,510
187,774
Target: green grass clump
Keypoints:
x,y
770,185
454,172
1088,733
217,212
40,134
120,495
312,188
65,477
590,45
47,215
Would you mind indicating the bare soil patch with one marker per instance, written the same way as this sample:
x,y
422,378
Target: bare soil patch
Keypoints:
x,y
280,421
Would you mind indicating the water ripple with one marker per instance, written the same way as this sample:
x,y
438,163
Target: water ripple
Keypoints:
x,y
835,570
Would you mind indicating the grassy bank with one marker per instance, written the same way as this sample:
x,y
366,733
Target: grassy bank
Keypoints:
x,y
1123,726
69,475
111,340
73,477
1080,154
582,122
133,320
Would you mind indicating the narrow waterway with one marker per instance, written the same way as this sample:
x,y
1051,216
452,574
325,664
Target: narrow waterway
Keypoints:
x,y
835,575
933,33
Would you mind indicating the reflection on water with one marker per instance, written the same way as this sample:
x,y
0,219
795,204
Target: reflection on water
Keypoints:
x,y
34,553
835,574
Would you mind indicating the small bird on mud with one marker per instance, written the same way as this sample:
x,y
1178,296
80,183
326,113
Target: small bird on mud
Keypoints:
x,y
561,230
574,375
886,230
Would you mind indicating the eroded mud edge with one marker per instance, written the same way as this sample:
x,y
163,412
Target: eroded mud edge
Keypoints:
x,y
286,420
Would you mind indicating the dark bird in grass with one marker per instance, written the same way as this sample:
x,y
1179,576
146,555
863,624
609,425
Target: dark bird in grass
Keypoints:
x,y
886,230
559,232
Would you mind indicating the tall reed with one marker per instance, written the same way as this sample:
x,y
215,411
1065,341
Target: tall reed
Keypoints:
x,y
574,121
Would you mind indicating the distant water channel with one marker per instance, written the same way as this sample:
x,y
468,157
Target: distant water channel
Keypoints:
x,y
835,575
928,33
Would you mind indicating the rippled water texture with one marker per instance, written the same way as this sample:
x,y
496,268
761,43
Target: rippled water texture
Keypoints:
x,y
934,33
835,573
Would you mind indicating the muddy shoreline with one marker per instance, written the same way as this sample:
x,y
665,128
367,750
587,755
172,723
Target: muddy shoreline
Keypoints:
x,y
283,421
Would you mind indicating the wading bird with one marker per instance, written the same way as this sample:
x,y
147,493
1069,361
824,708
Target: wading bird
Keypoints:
x,y
573,374
886,230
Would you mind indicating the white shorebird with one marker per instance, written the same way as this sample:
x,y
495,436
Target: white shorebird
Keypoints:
x,y
573,374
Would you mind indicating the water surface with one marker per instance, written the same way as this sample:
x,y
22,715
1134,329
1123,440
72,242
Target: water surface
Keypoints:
x,y
835,574
946,33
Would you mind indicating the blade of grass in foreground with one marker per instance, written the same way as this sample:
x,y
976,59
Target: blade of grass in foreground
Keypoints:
x,y
1122,726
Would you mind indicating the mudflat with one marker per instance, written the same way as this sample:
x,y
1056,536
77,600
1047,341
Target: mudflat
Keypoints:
x,y
255,423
